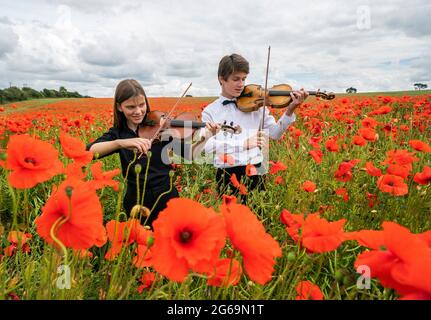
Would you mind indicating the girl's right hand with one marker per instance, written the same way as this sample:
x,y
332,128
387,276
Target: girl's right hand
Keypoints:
x,y
140,144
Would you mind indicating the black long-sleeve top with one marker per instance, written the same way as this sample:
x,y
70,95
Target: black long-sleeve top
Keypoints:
x,y
158,171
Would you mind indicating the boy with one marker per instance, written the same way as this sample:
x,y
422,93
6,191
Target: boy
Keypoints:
x,y
234,152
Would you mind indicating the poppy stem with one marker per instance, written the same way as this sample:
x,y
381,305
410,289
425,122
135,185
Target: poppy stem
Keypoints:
x,y
25,209
54,228
146,176
14,207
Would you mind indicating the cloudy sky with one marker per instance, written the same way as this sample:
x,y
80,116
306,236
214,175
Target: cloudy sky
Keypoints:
x,y
89,46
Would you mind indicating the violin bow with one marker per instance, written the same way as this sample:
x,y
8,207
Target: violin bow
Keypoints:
x,y
167,116
264,92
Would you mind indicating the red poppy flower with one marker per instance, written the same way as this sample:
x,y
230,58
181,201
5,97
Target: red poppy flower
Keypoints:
x,y
31,165
317,155
293,222
75,149
419,146
314,141
309,186
242,188
402,263
122,234
74,171
276,167
147,281
18,241
372,199
250,170
392,184
423,177
359,141
369,122
102,179
248,235
343,172
227,273
77,217
400,157
373,239
228,199
398,170
372,170
187,236
331,145
342,192
368,134
308,291
279,180
144,256
319,235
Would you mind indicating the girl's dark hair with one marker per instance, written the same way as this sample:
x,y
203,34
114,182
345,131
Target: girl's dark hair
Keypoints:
x,y
125,90
230,64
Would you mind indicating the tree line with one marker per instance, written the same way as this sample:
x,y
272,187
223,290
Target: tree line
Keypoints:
x,y
13,94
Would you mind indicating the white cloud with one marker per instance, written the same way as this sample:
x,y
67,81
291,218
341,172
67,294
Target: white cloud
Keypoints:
x,y
89,46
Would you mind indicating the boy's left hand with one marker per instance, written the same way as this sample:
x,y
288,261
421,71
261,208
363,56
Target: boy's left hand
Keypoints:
x,y
298,97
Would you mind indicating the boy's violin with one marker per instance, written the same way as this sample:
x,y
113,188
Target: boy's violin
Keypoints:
x,y
253,96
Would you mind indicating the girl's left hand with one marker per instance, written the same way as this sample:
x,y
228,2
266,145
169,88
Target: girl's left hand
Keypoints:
x,y
211,129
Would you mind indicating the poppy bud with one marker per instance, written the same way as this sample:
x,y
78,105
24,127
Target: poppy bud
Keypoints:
x,y
291,257
171,173
69,191
339,276
3,156
150,241
138,168
347,280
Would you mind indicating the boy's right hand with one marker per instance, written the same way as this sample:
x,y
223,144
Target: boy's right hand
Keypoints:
x,y
260,140
140,144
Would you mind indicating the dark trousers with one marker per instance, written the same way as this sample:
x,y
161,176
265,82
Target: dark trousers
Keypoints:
x,y
256,182
150,198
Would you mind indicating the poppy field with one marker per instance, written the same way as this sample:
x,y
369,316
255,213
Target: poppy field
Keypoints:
x,y
346,213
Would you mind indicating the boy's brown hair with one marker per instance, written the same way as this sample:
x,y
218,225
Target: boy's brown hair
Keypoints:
x,y
230,64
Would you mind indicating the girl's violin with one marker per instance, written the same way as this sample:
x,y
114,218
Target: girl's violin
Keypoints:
x,y
181,127
252,96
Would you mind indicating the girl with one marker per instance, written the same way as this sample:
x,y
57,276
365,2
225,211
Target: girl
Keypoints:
x,y
130,110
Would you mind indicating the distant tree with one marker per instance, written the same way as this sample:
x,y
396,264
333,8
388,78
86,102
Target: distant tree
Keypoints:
x,y
31,93
351,90
63,92
420,86
73,95
47,93
14,94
